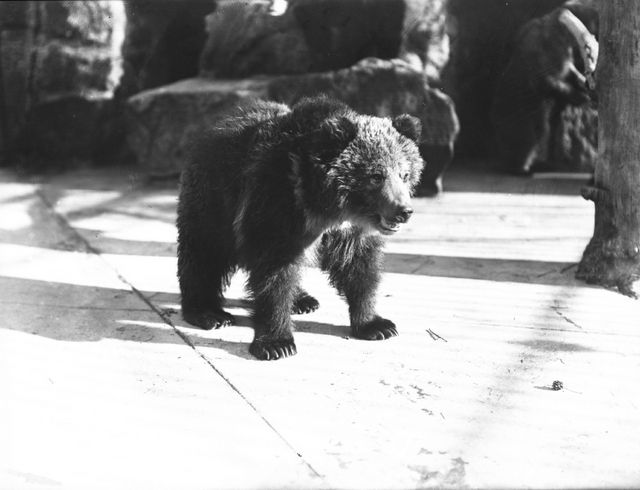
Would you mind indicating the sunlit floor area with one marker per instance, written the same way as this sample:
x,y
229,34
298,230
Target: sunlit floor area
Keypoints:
x,y
103,385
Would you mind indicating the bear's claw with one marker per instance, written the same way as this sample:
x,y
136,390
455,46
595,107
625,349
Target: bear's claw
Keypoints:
x,y
267,349
304,303
210,319
377,329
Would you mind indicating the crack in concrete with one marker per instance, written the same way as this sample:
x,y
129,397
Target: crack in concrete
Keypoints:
x,y
545,273
567,268
565,317
86,246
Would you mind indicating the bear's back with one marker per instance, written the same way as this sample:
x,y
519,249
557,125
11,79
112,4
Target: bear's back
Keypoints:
x,y
221,151
250,114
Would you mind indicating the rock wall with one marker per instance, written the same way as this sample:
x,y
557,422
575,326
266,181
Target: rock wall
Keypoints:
x,y
60,61
244,39
65,71
58,70
321,36
163,42
377,56
481,41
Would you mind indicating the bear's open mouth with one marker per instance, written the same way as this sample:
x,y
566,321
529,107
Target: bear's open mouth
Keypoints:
x,y
387,227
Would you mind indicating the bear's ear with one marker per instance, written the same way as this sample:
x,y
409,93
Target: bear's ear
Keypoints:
x,y
337,132
408,126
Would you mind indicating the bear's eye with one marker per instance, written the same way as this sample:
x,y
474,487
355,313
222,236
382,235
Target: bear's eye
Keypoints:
x,y
376,179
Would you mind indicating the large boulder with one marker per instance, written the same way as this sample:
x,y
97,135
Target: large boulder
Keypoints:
x,y
161,122
246,38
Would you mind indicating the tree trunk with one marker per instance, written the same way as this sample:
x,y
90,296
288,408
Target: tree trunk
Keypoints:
x,y
612,257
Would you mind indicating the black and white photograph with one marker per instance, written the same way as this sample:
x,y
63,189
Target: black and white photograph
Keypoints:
x,y
319,244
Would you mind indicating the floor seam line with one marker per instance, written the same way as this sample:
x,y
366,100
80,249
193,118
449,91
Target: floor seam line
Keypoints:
x,y
62,221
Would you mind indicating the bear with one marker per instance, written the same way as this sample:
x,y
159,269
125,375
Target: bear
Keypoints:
x,y
545,74
271,184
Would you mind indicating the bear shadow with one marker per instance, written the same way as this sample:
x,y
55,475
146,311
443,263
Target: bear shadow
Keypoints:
x,y
241,349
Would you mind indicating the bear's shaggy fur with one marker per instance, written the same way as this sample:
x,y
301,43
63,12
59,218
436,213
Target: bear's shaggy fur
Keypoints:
x,y
272,181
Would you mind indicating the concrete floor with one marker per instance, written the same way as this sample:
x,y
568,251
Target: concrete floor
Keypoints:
x,y
102,385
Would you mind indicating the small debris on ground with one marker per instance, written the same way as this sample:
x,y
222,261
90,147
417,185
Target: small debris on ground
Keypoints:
x,y
557,385
434,335
168,311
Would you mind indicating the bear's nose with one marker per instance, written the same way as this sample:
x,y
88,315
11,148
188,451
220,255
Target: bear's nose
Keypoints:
x,y
404,213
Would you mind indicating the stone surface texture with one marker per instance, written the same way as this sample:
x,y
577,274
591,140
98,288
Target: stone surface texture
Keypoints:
x,y
161,122
55,57
521,101
163,41
575,141
482,42
55,51
245,39
425,41
481,37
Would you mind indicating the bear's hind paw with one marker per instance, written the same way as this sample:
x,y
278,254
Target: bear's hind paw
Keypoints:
x,y
305,303
267,349
377,329
209,319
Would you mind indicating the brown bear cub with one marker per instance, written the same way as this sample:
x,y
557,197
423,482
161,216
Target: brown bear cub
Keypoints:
x,y
272,181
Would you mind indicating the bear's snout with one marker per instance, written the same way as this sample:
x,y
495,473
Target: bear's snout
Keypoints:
x,y
395,208
403,213
391,224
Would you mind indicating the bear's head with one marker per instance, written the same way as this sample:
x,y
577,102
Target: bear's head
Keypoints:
x,y
374,167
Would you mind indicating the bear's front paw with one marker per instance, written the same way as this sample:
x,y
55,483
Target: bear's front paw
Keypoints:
x,y
270,349
377,329
305,303
208,319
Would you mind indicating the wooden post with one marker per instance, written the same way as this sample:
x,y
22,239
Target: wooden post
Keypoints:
x,y
612,257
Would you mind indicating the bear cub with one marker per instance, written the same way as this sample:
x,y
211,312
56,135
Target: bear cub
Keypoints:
x,y
270,182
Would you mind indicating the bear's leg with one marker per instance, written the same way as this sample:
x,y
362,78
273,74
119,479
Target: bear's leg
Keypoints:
x,y
203,274
273,291
353,260
303,302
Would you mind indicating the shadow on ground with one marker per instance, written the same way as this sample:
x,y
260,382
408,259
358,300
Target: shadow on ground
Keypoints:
x,y
490,269
35,307
479,176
